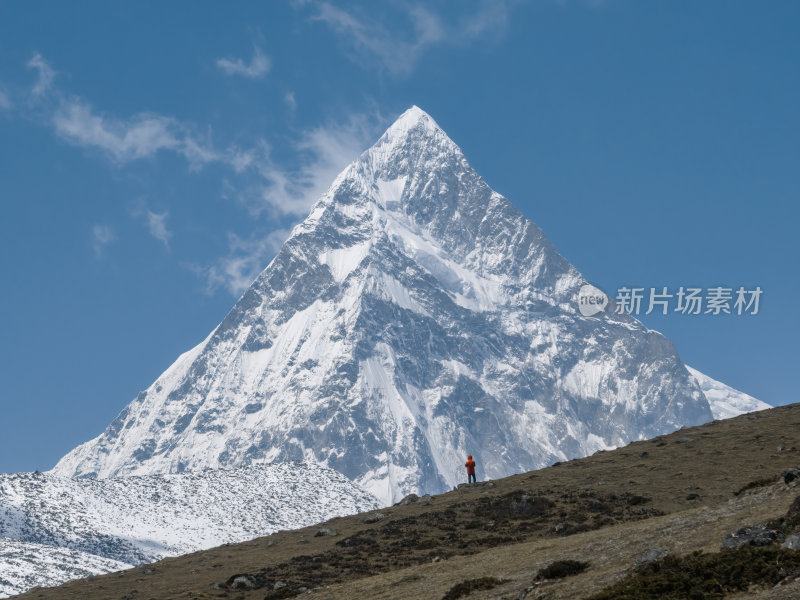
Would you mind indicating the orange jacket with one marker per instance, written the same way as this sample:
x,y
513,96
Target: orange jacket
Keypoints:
x,y
470,464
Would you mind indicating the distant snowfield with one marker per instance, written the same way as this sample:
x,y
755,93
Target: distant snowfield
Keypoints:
x,y
54,529
725,401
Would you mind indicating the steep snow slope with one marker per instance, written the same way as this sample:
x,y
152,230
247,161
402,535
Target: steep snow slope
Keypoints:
x,y
415,316
725,401
53,529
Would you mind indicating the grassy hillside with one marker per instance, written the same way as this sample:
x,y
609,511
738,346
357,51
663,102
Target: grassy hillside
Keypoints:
x,y
568,531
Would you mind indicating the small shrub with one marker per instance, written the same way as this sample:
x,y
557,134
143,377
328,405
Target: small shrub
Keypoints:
x,y
562,568
468,586
705,576
764,481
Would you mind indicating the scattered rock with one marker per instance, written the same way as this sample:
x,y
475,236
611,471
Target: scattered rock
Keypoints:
x,y
596,505
683,440
375,517
243,582
218,586
561,527
792,542
692,496
519,506
790,476
781,447
436,559
279,585
409,499
323,531
752,536
270,543
425,500
644,454
650,556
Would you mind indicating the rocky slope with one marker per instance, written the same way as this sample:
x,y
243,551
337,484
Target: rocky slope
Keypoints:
x,y
415,316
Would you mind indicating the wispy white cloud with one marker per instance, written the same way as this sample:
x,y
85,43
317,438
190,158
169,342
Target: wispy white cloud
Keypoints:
x,y
45,77
398,49
370,38
125,140
490,19
246,258
5,102
102,236
141,136
258,66
290,101
322,152
157,224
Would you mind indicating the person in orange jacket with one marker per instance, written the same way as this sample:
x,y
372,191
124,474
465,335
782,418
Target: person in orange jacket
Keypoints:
x,y
470,464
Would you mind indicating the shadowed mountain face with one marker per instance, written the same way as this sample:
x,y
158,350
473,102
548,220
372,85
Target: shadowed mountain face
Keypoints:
x,y
415,316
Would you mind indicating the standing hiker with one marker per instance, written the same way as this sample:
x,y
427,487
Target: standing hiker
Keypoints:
x,y
470,464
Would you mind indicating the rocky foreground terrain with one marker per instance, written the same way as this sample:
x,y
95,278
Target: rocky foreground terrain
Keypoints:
x,y
626,523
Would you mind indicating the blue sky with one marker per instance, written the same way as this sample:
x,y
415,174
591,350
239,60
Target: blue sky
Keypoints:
x,y
153,157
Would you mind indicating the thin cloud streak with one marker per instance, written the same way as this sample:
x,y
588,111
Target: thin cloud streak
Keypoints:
x,y
5,102
258,67
372,41
157,224
246,258
324,151
370,38
290,101
102,236
46,75
127,140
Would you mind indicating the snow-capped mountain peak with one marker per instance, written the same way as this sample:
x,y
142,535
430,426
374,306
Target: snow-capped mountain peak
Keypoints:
x,y
414,317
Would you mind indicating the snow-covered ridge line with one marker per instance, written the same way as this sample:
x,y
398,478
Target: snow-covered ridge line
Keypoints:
x,y
53,528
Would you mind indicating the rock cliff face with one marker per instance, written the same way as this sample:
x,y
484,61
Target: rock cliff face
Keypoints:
x,y
414,317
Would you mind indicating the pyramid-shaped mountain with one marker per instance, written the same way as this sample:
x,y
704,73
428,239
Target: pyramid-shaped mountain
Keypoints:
x,y
415,316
